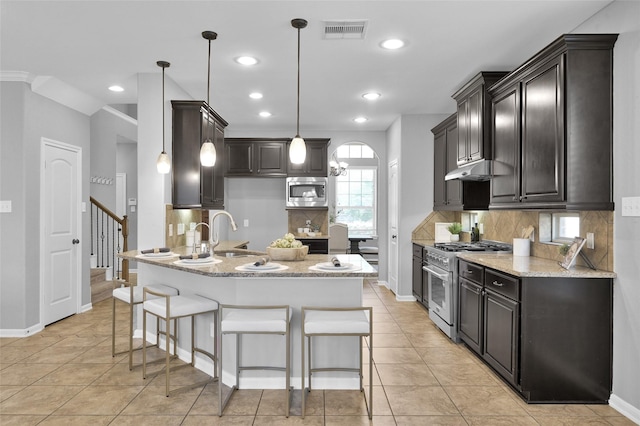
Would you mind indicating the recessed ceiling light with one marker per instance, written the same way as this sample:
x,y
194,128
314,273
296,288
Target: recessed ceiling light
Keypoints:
x,y
392,44
255,95
265,114
371,96
116,88
246,60
361,119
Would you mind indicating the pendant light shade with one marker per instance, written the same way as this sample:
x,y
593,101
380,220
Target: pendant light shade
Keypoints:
x,y
298,149
208,149
164,162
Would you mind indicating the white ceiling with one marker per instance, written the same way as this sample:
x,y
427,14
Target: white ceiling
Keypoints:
x,y
82,47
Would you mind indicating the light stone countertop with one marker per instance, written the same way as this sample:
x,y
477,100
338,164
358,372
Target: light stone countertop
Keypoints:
x,y
226,268
521,266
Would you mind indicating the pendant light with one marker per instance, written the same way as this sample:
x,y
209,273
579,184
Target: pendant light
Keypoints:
x,y
298,149
164,162
208,150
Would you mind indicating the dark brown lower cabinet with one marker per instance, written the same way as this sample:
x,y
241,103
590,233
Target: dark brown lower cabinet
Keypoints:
x,y
471,314
501,330
550,338
316,245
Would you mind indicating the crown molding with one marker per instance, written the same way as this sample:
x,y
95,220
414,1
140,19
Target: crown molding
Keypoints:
x,y
16,76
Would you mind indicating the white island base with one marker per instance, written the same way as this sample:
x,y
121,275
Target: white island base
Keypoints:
x,y
296,291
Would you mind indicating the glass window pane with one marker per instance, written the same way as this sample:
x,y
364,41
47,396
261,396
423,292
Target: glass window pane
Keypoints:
x,y
343,151
355,151
367,152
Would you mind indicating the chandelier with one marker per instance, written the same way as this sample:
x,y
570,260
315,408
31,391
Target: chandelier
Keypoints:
x,y
337,168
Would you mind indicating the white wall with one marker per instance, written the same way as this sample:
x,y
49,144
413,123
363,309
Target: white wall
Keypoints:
x,y
26,118
411,142
623,17
154,189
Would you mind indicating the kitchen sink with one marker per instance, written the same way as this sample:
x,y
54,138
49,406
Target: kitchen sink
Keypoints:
x,y
235,254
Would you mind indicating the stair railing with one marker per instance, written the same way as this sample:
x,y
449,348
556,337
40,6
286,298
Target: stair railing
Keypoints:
x,y
107,231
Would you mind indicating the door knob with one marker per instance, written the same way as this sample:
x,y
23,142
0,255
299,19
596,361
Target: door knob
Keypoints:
x,y
75,241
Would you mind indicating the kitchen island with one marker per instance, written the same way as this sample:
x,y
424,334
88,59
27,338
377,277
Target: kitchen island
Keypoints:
x,y
298,283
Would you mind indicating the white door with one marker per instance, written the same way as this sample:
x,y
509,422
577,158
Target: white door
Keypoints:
x,y
60,195
393,226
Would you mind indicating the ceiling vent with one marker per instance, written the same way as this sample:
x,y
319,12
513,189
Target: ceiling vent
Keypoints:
x,y
354,30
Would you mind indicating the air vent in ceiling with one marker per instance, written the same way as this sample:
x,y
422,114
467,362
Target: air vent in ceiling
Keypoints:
x,y
354,29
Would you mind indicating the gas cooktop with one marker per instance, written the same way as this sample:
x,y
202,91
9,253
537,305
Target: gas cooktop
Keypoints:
x,y
476,246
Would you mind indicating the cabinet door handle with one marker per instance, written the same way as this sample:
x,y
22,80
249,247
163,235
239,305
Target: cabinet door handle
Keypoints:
x,y
496,283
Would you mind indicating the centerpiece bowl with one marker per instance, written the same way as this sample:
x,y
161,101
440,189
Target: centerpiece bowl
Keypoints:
x,y
297,253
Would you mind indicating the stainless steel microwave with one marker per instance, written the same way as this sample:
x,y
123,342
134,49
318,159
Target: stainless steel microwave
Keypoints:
x,y
307,192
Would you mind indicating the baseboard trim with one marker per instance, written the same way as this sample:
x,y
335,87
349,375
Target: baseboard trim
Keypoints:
x,y
405,298
85,308
626,409
17,332
383,283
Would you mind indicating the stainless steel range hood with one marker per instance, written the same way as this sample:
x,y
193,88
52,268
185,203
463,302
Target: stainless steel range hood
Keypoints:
x,y
478,171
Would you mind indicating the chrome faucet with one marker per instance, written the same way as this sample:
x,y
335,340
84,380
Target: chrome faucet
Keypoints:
x,y
214,241
195,244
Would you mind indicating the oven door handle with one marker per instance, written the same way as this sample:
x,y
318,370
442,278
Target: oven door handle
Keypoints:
x,y
444,277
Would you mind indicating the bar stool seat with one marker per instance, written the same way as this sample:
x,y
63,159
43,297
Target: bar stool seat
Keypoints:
x,y
132,295
170,308
347,321
244,319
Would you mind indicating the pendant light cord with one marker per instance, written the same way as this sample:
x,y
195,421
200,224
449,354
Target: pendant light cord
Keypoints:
x,y
208,91
163,109
298,103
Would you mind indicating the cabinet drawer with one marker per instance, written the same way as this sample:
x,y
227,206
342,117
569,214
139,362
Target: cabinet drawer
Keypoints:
x,y
417,250
505,285
470,271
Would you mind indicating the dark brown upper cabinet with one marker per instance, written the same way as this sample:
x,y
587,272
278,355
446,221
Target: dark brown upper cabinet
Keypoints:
x,y
315,163
255,157
474,116
194,186
553,130
453,194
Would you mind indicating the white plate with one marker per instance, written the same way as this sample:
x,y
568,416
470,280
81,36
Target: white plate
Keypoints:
x,y
329,266
164,254
197,261
265,267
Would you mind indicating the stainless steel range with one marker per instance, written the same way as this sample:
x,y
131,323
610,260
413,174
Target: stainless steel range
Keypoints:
x,y
442,271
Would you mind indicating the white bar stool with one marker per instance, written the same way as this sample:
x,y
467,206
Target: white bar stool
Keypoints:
x,y
348,321
170,308
132,296
243,319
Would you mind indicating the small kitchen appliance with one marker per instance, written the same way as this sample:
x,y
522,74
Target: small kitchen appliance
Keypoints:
x,y
307,192
441,266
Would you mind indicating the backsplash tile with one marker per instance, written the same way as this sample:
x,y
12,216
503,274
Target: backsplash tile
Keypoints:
x,y
184,216
504,225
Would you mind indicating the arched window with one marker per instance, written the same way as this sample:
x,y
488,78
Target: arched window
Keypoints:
x,y
356,192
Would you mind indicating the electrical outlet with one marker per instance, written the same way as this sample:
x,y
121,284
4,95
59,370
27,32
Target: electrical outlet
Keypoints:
x,y
590,240
171,229
5,206
481,228
180,228
246,223
630,206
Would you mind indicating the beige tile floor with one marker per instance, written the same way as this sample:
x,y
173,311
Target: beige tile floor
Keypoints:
x,y
65,375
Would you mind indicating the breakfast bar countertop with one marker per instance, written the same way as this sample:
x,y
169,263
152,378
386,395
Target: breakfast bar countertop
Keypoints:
x,y
226,266
529,266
